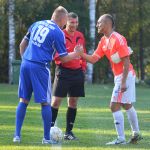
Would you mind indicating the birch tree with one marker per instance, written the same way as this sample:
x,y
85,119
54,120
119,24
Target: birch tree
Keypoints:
x,y
11,24
92,38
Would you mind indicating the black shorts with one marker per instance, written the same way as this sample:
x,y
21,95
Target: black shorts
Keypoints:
x,y
68,82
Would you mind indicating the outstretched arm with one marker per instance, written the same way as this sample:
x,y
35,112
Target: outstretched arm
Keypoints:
x,y
90,58
69,57
72,55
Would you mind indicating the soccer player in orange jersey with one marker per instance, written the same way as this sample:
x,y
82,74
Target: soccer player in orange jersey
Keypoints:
x,y
114,46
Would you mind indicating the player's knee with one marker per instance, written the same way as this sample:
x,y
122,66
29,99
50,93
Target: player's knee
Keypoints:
x,y
24,101
45,104
115,107
127,106
72,103
111,106
56,102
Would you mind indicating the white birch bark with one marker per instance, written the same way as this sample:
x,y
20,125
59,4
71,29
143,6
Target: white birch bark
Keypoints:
x,y
92,4
11,24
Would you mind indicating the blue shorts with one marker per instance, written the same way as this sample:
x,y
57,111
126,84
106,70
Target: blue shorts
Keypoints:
x,y
36,78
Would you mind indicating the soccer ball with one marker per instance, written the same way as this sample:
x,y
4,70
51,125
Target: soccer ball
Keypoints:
x,y
56,134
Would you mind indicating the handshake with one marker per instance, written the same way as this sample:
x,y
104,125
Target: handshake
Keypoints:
x,y
79,49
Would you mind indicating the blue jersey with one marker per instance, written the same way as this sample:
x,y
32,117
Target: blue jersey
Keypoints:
x,y
45,38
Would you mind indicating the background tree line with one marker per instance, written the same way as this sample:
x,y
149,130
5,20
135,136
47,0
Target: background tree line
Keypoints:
x,y
131,16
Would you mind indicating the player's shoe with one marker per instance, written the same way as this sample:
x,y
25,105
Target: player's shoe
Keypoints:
x,y
44,141
16,139
135,138
70,136
117,142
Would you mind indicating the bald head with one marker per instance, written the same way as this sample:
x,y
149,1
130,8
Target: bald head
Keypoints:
x,y
109,18
59,16
105,24
59,12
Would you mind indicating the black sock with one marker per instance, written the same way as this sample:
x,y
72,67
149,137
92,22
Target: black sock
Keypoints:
x,y
54,115
70,118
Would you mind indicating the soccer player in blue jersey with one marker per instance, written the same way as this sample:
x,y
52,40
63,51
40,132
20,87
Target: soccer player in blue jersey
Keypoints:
x,y
37,49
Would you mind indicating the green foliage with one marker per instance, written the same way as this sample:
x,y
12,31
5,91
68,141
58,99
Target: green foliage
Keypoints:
x,y
128,23
94,123
26,14
3,41
29,11
102,72
126,12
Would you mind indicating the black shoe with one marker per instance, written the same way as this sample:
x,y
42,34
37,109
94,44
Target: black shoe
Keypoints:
x,y
70,136
135,138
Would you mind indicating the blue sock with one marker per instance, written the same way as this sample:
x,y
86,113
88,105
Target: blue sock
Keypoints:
x,y
46,116
20,114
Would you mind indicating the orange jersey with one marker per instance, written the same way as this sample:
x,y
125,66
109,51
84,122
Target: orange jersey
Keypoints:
x,y
114,48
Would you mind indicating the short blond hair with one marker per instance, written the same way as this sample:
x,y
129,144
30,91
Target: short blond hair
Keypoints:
x,y
59,12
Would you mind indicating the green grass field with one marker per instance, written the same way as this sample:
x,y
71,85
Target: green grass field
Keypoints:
x,y
94,124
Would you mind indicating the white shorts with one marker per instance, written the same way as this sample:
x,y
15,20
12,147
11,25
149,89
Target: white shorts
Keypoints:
x,y
129,95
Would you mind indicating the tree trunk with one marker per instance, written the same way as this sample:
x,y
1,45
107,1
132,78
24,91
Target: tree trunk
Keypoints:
x,y
92,38
11,24
141,51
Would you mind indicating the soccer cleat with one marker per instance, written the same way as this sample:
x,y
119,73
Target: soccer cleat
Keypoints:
x,y
135,138
70,136
16,139
44,141
117,142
